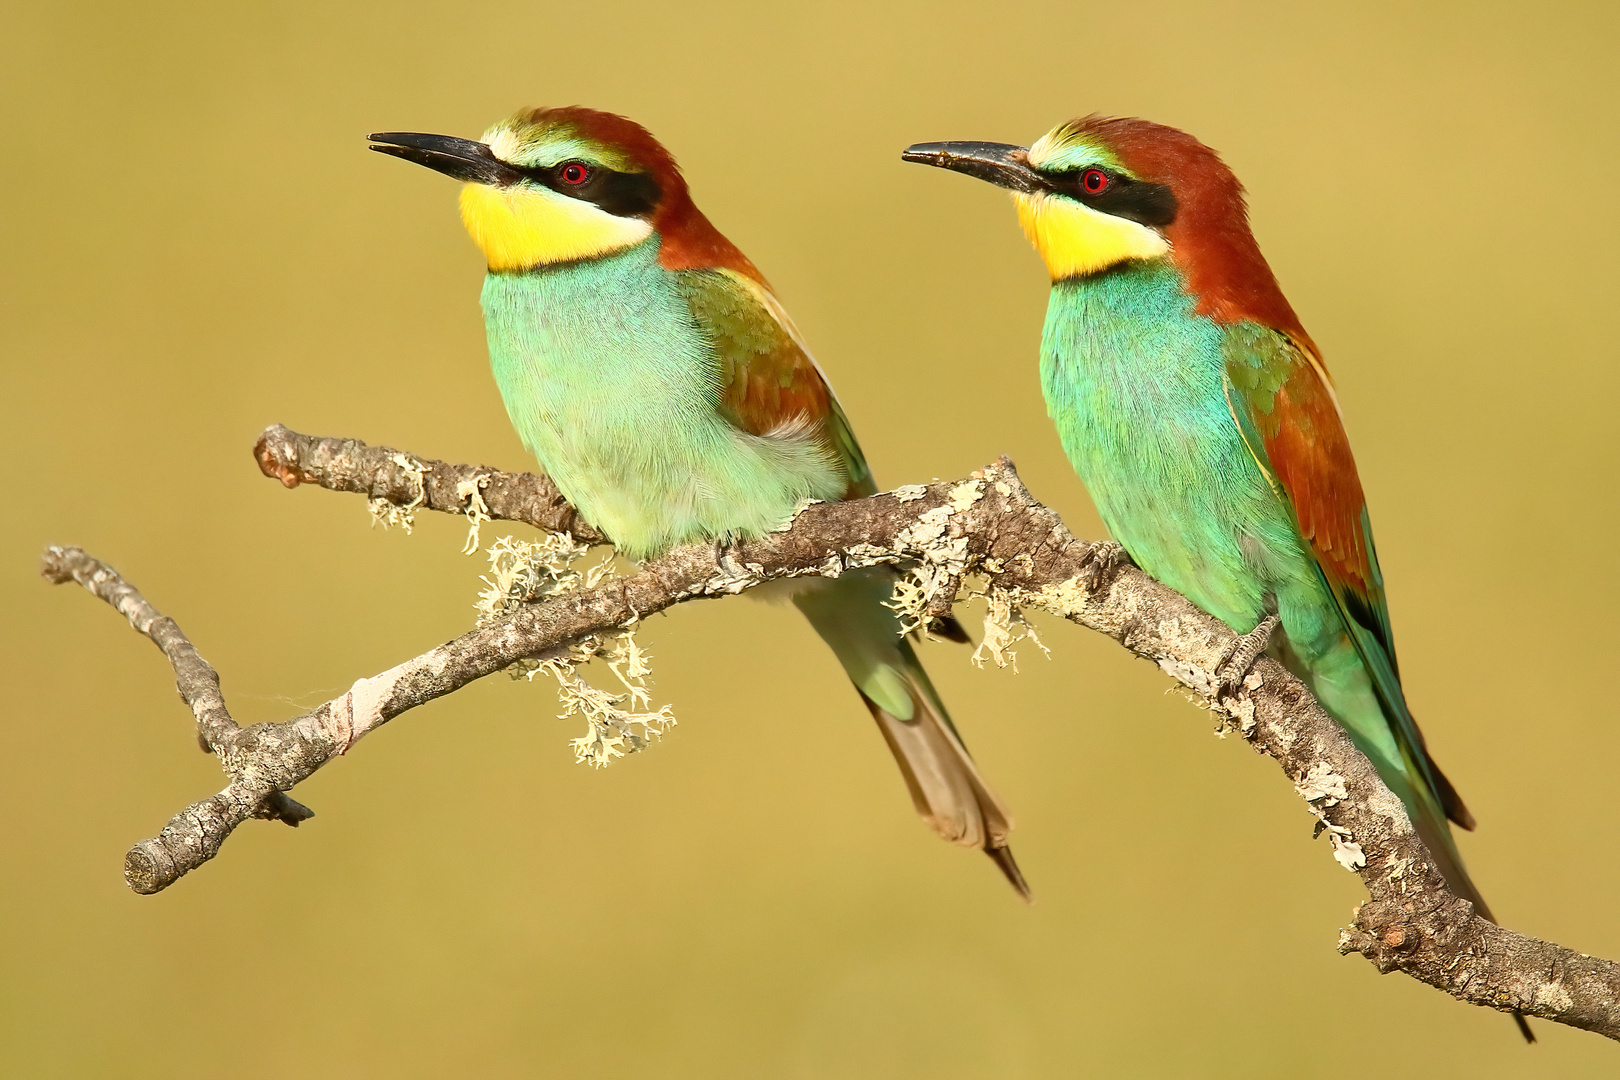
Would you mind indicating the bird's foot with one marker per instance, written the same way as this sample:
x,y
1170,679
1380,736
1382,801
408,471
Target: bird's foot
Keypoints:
x,y
1101,560
1234,666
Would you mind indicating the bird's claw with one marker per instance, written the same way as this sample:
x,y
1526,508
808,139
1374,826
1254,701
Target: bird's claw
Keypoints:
x,y
1234,666
1101,560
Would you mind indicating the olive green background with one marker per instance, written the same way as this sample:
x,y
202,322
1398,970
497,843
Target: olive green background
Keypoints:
x,y
196,244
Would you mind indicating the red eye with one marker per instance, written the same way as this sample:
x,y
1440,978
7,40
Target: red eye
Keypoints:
x,y
574,173
1094,181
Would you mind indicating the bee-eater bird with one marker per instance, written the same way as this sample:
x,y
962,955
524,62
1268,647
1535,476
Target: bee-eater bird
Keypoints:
x,y
649,367
1199,415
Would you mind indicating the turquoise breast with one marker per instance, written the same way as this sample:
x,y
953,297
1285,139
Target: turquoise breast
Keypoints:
x,y
613,386
1134,380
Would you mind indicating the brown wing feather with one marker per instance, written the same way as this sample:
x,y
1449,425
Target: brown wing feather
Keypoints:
x,y
1305,439
768,381
1288,405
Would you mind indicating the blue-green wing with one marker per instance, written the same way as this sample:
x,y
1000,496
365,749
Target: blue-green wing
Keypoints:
x,y
1284,406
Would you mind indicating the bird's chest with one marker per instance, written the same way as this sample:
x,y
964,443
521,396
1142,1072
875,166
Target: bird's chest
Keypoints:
x,y
593,356
609,384
1134,380
615,388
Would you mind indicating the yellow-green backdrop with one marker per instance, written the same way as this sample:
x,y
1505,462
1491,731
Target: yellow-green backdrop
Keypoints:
x,y
197,245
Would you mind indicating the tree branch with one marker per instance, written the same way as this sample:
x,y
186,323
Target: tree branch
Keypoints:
x,y
987,526
378,473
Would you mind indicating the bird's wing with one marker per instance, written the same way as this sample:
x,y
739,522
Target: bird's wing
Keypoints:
x,y
769,384
1280,396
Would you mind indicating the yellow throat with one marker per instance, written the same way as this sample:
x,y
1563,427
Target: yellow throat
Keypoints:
x,y
519,227
1075,239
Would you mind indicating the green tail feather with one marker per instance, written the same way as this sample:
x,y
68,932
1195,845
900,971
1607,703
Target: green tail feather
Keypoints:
x,y
945,785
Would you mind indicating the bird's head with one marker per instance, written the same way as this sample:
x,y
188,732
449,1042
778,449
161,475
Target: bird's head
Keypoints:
x,y
1100,191
560,185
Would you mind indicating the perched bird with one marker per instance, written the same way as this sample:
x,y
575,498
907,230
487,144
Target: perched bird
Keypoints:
x,y
1199,415
648,366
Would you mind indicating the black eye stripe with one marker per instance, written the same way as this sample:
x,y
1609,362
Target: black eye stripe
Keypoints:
x,y
622,194
1121,195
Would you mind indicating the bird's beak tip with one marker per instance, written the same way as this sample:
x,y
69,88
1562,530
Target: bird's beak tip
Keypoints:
x,y
460,159
1002,164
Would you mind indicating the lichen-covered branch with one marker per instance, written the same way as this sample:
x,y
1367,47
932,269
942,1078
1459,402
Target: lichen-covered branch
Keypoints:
x,y
406,481
986,531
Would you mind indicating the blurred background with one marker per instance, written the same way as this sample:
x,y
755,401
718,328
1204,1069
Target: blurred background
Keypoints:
x,y
197,244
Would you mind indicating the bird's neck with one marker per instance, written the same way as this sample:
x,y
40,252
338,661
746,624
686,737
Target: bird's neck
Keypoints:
x,y
1131,342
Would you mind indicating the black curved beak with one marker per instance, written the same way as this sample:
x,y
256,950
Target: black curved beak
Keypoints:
x,y
1002,164
462,159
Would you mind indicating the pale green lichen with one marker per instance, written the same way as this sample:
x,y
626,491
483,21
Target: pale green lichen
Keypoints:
x,y
910,598
471,493
1321,785
618,722
803,505
522,571
1346,852
1066,598
965,494
387,513
1004,627
1004,622
612,730
927,531
941,558
1321,788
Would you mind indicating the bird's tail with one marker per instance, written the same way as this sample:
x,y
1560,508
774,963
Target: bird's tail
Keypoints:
x,y
945,785
1429,813
1403,761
